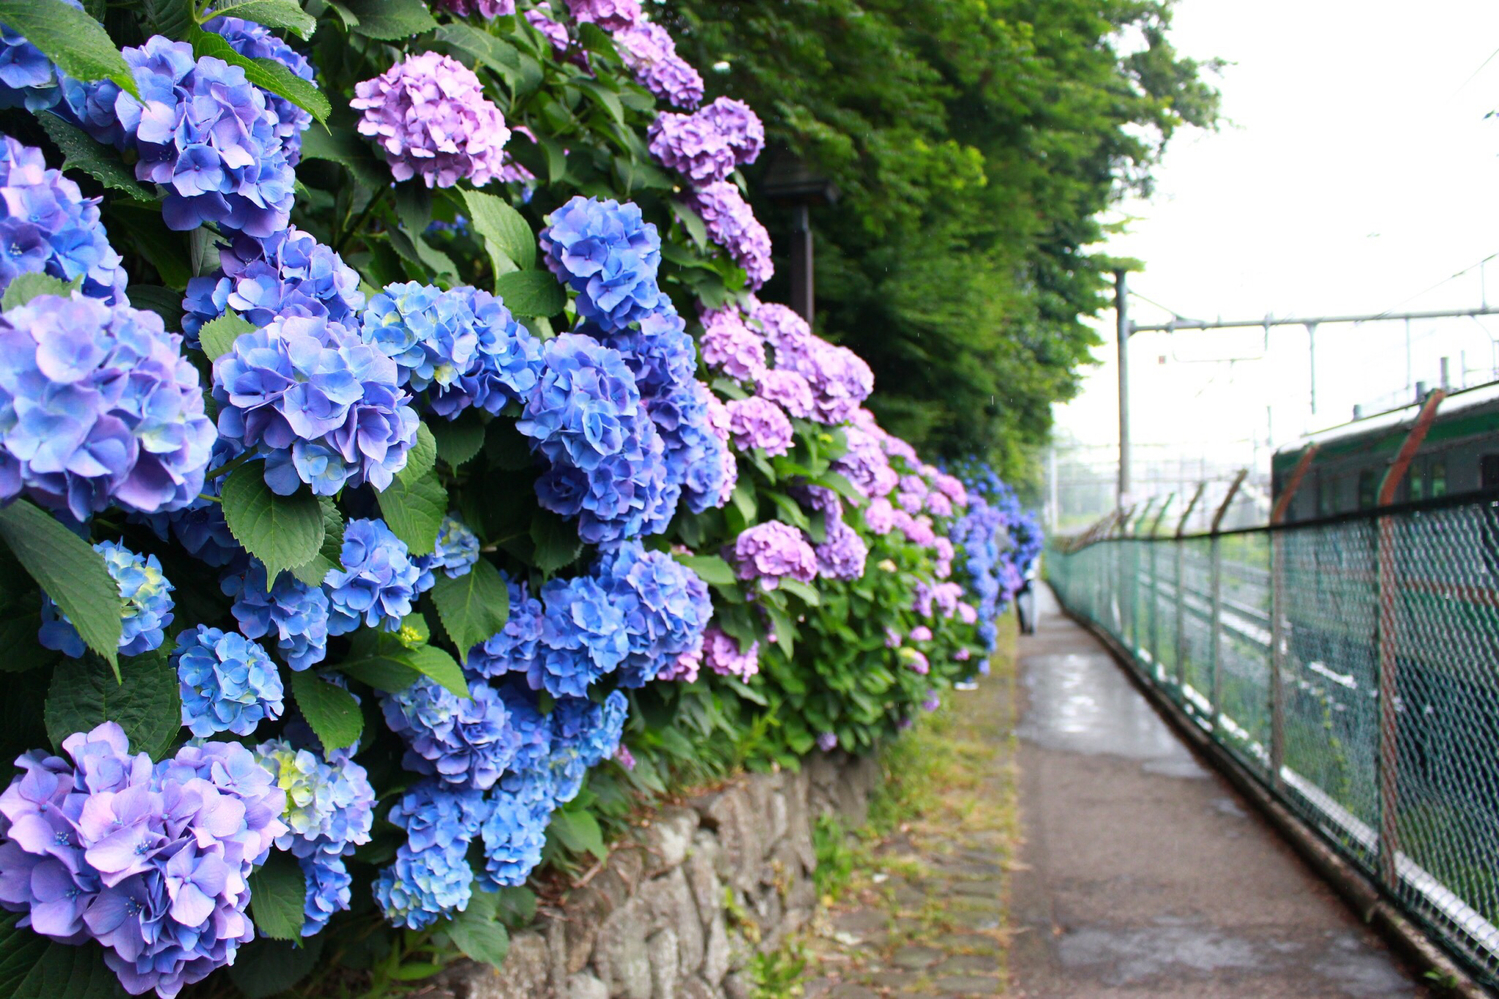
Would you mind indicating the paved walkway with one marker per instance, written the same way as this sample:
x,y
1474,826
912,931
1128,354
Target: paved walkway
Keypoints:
x,y
1144,874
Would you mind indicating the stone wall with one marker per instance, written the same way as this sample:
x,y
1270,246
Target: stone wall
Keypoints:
x,y
680,911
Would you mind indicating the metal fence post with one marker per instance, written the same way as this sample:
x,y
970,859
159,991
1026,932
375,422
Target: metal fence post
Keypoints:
x,y
1181,603
1278,650
1153,634
1215,653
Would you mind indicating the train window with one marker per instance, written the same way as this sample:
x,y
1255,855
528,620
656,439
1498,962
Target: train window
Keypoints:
x,y
1488,471
1366,487
1438,479
1416,482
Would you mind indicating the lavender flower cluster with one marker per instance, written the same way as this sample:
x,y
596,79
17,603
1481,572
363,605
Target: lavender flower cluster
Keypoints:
x,y
708,144
255,41
732,225
651,55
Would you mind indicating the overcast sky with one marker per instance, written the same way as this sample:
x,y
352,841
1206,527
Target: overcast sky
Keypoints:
x,y
1355,171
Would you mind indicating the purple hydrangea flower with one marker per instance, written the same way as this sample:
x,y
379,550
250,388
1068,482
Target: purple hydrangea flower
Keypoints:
x,y
329,891
466,742
692,145
915,660
255,41
325,407
455,349
228,682
788,390
866,466
839,378
723,655
827,742
487,9
843,554
375,582
98,406
297,614
651,55
289,273
730,346
684,668
47,226
741,128
555,32
760,423
27,77
430,117
786,332
607,253
145,605
611,15
732,225
771,551
664,603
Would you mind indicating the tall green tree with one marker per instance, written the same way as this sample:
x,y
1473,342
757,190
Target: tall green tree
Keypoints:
x,y
975,144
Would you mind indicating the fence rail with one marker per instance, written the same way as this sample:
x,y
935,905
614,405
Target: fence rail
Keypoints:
x,y
1352,666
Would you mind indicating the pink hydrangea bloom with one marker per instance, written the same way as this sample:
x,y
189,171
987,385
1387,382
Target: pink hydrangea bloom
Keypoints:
x,y
484,8
730,346
722,654
611,15
967,613
879,516
921,633
772,551
760,423
684,668
788,390
732,225
651,55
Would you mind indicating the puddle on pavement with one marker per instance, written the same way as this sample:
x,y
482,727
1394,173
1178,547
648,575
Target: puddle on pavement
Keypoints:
x,y
1081,703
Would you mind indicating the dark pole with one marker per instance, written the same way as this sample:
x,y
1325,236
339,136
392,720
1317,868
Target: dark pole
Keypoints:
x,y
1122,318
801,262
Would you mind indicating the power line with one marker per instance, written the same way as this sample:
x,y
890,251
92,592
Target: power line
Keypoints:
x,y
1444,280
1474,74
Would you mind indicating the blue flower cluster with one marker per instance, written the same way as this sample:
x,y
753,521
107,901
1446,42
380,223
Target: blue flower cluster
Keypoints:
x,y
376,580
456,348
329,891
514,647
664,603
228,683
514,831
979,534
150,861
466,742
145,605
98,406
297,614
325,407
607,253
47,226
608,466
27,77
204,133
431,877
255,41
289,273
584,734
455,553
582,637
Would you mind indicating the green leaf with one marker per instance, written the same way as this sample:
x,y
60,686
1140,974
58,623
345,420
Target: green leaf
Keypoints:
x,y
531,293
483,47
332,711
264,968
81,152
557,541
20,950
414,511
172,18
146,701
596,39
330,554
477,931
390,20
275,14
504,229
33,967
24,287
579,831
808,594
421,457
341,144
515,906
164,249
712,569
268,74
278,892
282,531
604,98
393,668
218,335
696,227
472,607
458,441
165,302
69,37
69,571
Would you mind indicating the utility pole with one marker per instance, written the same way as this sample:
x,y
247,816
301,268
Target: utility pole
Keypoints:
x,y
1121,315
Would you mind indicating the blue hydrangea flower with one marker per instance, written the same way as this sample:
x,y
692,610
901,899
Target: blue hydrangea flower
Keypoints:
x,y
329,891
421,887
27,77
514,648
297,614
228,682
375,582
584,734
464,742
435,813
204,133
533,730
98,406
47,226
664,603
514,831
146,605
255,41
289,273
583,637
324,407
329,803
456,348
608,465
200,527
456,552
607,253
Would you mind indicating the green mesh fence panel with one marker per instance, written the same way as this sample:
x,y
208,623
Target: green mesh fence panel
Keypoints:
x,y
1406,785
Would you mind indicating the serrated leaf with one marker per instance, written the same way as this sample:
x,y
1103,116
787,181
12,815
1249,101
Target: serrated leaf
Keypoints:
x,y
77,43
217,336
421,457
340,144
264,968
81,152
24,287
69,571
604,98
478,933
711,569
483,47
268,74
458,441
33,967
557,542
808,594
579,831
505,229
165,302
472,607
696,227
596,39
285,15
390,20
414,511
330,554
146,701
278,892
392,667
332,711
171,18
282,531
531,293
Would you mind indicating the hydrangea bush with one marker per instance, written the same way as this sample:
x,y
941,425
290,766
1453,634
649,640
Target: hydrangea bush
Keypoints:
x,y
399,477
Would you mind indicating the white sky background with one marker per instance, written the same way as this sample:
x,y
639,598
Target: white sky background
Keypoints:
x,y
1355,170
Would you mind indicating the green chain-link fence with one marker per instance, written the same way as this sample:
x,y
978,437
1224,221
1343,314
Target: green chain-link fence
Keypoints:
x,y
1383,732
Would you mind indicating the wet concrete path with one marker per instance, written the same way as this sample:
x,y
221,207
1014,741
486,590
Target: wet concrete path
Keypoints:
x,y
1145,874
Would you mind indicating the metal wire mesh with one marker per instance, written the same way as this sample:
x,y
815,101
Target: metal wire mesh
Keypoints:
x,y
1383,732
